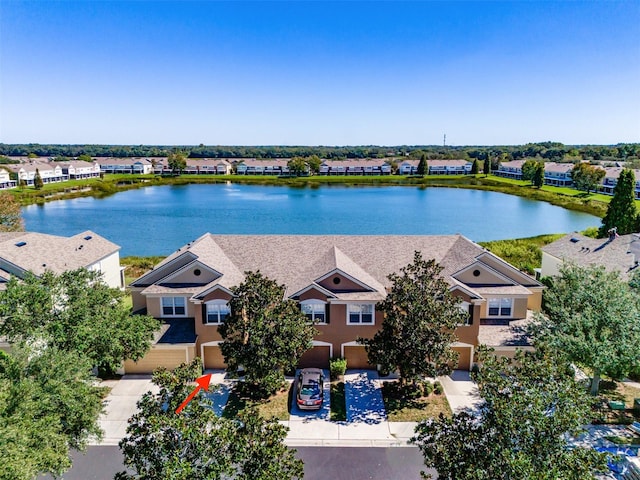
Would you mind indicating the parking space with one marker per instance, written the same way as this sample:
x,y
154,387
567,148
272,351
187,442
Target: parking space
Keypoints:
x,y
297,414
363,397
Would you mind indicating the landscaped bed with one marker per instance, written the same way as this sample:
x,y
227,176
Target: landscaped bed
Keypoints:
x,y
338,405
414,403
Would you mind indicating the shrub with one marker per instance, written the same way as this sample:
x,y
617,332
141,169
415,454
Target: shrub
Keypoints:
x,y
427,388
337,367
438,388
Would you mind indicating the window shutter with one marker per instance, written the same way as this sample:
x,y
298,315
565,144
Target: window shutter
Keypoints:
x,y
204,313
327,309
471,314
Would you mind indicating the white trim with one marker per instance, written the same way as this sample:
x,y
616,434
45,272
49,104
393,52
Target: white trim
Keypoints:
x,y
213,343
313,286
172,297
523,276
353,343
316,301
162,267
318,343
197,297
480,263
500,299
467,345
217,301
360,323
182,269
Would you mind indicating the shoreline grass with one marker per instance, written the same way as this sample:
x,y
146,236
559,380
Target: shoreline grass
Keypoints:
x,y
593,203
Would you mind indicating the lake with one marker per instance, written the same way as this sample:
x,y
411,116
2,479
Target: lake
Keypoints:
x,y
158,220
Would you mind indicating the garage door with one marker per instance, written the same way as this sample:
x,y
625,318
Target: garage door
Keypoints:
x,y
317,357
464,358
356,357
213,357
160,357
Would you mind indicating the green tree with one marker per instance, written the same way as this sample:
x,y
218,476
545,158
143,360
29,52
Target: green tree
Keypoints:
x,y
422,165
420,315
48,406
486,169
177,162
75,312
265,333
10,214
475,167
37,180
586,177
297,166
621,212
538,175
529,404
593,318
197,444
314,163
529,169
85,158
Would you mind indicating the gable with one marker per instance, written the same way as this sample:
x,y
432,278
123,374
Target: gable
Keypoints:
x,y
338,281
508,270
164,270
194,273
480,274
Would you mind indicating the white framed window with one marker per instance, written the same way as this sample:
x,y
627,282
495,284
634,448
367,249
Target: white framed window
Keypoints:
x,y
217,312
174,307
500,307
315,310
360,314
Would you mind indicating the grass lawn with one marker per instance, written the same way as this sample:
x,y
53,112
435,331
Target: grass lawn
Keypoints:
x,y
338,405
618,391
138,266
275,406
522,253
405,409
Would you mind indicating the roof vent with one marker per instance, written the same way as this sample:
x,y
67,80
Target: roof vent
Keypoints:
x,y
88,237
574,240
21,244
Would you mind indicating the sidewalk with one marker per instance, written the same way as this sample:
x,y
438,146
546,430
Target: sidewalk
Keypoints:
x,y
460,391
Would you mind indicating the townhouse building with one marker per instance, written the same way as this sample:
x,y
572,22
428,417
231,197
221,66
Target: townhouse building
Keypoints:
x,y
138,166
355,167
78,169
337,281
5,180
610,181
26,172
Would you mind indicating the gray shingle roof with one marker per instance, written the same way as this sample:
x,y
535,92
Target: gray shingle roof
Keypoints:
x,y
297,261
619,254
38,252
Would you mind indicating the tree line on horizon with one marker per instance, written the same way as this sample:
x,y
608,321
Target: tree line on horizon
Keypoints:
x,y
551,151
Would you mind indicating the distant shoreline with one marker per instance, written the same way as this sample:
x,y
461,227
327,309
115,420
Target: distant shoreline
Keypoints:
x,y
594,204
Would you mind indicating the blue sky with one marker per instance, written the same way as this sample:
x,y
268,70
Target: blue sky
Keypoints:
x,y
319,73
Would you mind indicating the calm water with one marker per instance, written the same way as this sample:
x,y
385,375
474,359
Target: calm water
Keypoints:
x,y
158,220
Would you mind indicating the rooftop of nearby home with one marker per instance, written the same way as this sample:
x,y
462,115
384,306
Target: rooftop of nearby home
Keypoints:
x,y
37,252
621,253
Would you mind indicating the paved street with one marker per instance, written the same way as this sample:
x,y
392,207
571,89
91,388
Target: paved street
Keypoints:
x,y
320,463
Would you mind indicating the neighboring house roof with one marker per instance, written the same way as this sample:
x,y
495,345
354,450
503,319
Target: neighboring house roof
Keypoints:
x,y
508,334
37,252
301,262
175,331
621,254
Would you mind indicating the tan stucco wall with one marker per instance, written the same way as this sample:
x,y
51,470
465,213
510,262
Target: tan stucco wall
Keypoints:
x,y
519,309
550,265
534,302
486,276
154,306
344,285
188,276
139,300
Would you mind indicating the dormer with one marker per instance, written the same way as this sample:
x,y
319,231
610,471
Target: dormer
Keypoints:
x,y
479,274
337,281
195,273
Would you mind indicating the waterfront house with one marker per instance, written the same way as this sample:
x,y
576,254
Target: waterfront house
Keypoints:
x,y
267,166
5,180
337,280
22,252
26,172
558,174
408,167
617,253
136,166
196,166
610,181
78,169
449,167
355,167
511,169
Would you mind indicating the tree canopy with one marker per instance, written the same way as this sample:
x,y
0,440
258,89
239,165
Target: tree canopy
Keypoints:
x,y
48,405
529,169
422,165
420,315
177,161
621,212
297,166
75,312
518,433
10,214
586,177
197,444
37,180
265,333
593,318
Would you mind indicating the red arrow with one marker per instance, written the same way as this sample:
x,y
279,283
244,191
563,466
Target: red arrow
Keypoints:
x,y
203,382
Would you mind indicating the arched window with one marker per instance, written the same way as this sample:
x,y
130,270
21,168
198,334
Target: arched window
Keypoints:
x,y
315,310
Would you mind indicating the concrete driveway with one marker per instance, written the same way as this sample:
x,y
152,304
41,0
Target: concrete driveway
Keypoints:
x,y
363,397
120,404
461,391
219,390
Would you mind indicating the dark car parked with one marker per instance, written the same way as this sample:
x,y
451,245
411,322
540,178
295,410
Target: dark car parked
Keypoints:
x,y
310,389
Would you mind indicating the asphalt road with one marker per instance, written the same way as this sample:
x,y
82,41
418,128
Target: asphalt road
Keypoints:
x,y
320,463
